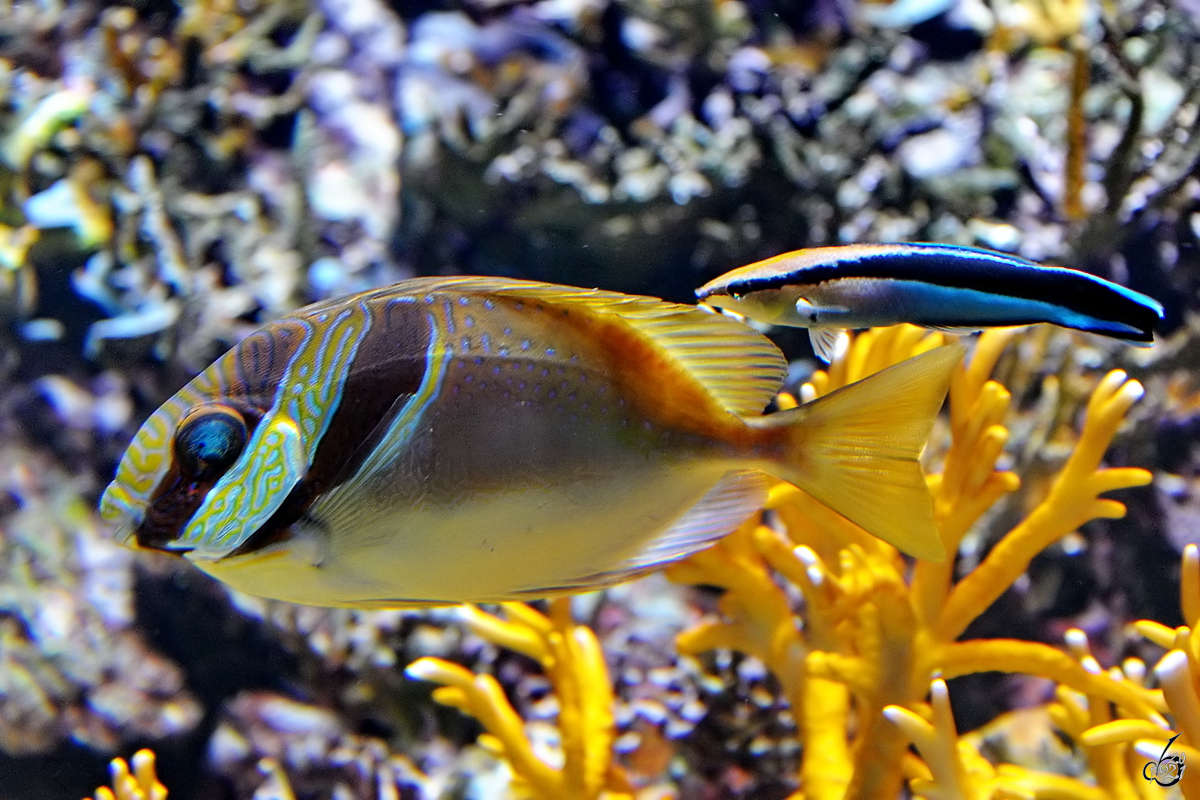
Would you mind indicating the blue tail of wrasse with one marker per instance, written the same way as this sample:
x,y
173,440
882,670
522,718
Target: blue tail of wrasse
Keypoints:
x,y
935,285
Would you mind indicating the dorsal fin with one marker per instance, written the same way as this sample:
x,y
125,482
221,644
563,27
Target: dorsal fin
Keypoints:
x,y
739,367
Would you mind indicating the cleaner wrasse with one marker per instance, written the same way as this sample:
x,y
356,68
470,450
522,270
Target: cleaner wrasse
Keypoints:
x,y
481,439
829,289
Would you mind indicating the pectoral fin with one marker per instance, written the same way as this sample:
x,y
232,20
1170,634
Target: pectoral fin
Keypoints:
x,y
828,343
957,330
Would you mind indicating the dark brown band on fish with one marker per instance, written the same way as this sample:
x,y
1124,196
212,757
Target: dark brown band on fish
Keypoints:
x,y
172,506
386,371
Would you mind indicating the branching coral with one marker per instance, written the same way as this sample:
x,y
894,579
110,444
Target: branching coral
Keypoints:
x,y
572,660
1123,754
954,768
875,632
1177,673
140,783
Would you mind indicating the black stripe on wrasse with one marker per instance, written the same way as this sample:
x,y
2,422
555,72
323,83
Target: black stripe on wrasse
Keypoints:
x,y
980,270
386,371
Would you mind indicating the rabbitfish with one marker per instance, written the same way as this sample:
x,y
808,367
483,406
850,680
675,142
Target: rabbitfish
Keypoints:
x,y
481,439
827,289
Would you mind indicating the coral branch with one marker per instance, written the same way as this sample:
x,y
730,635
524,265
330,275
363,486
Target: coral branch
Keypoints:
x,y
574,663
957,771
1034,658
1124,730
140,784
512,635
1073,500
937,742
823,721
1180,692
481,697
1189,585
969,483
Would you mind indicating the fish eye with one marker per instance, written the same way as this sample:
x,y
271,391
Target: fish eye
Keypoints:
x,y
209,439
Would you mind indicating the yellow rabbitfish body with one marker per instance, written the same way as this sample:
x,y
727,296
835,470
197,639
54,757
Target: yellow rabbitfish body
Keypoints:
x,y
480,439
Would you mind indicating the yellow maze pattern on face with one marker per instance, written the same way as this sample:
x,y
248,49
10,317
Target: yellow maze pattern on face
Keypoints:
x,y
280,452
149,455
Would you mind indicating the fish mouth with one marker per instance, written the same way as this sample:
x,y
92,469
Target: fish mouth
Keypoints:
x,y
123,516
125,533
125,519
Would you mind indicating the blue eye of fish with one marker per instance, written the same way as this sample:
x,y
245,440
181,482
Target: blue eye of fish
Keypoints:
x,y
209,440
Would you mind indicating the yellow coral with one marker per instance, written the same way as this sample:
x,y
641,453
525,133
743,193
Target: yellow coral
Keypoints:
x,y
574,663
876,632
1121,752
955,769
1177,674
139,784
877,629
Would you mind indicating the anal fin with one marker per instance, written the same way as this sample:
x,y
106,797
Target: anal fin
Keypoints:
x,y
723,508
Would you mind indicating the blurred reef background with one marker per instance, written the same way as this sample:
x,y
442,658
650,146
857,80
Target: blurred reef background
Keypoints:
x,y
174,173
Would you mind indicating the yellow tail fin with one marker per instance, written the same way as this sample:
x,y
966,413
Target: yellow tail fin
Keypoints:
x,y
856,450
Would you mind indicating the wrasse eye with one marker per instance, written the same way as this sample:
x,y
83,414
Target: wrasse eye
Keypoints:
x,y
209,439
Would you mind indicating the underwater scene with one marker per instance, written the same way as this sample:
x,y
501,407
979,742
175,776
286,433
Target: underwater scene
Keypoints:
x,y
878,519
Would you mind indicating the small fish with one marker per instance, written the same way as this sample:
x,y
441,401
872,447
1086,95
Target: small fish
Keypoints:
x,y
828,289
481,439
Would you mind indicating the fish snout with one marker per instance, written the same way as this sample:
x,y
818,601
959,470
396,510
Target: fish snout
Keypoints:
x,y
122,514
